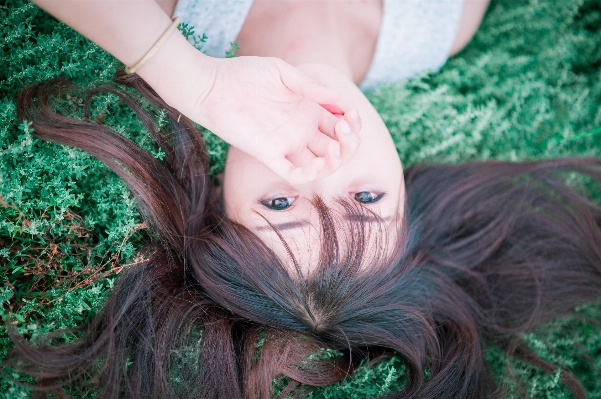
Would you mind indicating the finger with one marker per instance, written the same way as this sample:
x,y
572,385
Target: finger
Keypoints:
x,y
294,174
301,158
321,145
327,123
333,159
339,151
306,86
314,90
348,138
353,118
311,165
329,149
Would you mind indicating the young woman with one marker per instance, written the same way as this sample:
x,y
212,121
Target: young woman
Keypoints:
x,y
364,261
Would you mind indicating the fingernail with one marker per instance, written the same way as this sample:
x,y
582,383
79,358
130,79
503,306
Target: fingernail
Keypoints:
x,y
353,114
337,151
345,128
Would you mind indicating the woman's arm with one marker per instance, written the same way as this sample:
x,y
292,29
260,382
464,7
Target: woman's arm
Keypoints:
x,y
263,106
471,16
126,29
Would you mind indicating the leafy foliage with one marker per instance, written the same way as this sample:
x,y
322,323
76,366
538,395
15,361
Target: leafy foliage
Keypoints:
x,y
528,86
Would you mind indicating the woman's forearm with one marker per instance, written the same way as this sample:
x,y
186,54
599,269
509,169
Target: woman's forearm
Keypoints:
x,y
127,29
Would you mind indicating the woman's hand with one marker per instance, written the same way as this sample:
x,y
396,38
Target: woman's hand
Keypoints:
x,y
263,106
260,105
269,109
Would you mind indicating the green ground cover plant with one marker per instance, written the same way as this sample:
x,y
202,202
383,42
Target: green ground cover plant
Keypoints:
x,y
527,87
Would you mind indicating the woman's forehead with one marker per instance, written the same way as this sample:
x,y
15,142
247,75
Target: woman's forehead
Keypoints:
x,y
344,233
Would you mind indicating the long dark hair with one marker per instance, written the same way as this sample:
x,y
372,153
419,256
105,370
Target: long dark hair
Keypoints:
x,y
486,250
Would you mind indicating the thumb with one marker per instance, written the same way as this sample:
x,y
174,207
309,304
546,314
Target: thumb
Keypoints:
x,y
302,84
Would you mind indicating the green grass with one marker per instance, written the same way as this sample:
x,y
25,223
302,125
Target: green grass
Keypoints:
x,y
527,87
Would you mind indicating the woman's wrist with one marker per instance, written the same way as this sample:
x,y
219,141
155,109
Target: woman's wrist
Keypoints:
x,y
180,74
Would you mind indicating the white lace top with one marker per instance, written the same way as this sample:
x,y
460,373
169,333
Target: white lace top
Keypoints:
x,y
415,35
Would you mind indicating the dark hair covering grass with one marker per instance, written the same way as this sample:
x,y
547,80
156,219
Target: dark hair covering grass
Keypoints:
x,y
486,251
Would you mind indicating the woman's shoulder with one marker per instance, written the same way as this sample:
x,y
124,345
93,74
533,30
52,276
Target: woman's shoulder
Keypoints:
x,y
471,17
419,35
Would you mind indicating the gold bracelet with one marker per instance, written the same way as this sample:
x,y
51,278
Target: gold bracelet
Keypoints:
x,y
154,48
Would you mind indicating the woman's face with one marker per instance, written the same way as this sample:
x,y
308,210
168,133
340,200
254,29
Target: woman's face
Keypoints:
x,y
373,178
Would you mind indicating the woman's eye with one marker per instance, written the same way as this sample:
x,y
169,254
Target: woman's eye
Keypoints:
x,y
278,204
368,197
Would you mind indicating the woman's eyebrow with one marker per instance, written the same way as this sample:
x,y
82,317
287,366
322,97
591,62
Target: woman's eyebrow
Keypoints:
x,y
304,223
284,226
